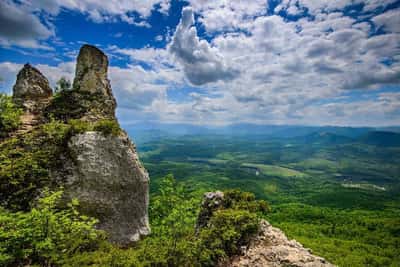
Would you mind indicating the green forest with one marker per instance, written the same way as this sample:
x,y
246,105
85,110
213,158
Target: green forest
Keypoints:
x,y
341,199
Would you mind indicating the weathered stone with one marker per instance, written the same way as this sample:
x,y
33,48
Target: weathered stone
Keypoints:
x,y
105,174
272,248
91,78
31,90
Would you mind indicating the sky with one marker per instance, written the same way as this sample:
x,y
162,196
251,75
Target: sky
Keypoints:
x,y
216,62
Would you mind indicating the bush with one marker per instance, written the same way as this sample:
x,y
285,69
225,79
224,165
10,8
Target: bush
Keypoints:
x,y
236,199
9,115
228,230
55,132
25,163
46,235
107,127
71,104
79,126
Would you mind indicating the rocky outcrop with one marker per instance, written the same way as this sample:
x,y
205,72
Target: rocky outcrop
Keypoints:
x,y
269,248
110,183
101,169
31,89
91,78
32,93
272,248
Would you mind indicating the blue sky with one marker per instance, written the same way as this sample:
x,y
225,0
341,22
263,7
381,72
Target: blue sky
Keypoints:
x,y
221,62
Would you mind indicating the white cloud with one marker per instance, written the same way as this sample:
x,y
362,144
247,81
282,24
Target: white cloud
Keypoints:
x,y
28,23
100,11
20,27
220,15
389,21
201,63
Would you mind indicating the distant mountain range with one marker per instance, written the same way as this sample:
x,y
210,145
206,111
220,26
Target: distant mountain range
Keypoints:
x,y
388,136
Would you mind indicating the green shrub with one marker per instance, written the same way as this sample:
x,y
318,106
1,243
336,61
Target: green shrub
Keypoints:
x,y
79,126
71,104
55,132
107,127
25,163
228,231
237,199
45,235
9,115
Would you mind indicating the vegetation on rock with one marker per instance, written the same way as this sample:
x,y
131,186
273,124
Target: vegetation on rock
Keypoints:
x,y
9,115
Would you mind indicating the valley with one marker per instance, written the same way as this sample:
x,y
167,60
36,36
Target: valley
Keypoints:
x,y
340,195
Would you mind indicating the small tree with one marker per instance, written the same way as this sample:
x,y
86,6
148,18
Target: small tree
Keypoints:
x,y
62,84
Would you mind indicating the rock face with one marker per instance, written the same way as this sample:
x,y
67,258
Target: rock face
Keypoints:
x,y
91,78
111,184
272,248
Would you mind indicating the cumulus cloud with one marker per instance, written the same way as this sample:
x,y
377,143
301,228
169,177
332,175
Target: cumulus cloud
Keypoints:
x,y
389,21
20,27
201,63
102,10
222,15
23,23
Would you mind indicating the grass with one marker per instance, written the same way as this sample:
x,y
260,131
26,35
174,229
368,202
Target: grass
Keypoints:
x,y
274,170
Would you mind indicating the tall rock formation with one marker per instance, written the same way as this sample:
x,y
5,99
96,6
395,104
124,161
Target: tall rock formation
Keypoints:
x,y
91,78
104,171
101,169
